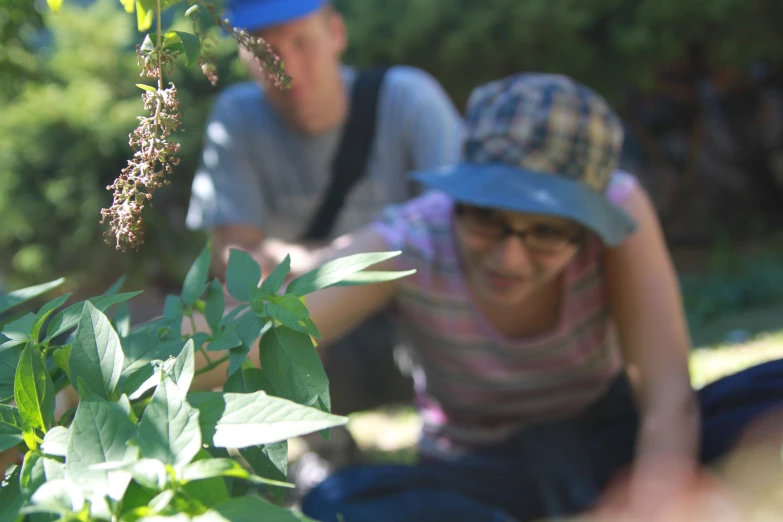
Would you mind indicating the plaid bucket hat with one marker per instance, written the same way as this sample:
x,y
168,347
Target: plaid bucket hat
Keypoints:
x,y
539,143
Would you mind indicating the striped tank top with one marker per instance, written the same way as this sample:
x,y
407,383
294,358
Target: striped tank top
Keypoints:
x,y
474,386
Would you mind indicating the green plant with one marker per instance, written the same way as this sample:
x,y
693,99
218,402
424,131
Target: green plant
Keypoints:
x,y
140,445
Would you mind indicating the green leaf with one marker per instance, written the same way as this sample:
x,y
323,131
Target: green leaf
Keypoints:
x,y
250,379
148,88
45,312
54,468
11,427
115,287
209,492
149,473
239,420
128,5
33,389
96,353
145,13
214,305
57,496
122,320
56,441
22,295
55,5
69,317
184,367
210,468
62,356
370,277
269,460
250,509
141,348
272,283
9,360
101,432
242,275
19,331
196,278
199,339
172,308
192,46
225,339
11,499
33,474
335,271
291,312
169,430
294,367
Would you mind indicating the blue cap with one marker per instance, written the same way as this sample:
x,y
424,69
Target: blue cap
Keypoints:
x,y
254,15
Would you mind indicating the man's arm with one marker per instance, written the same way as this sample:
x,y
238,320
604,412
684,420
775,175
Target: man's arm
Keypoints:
x,y
335,311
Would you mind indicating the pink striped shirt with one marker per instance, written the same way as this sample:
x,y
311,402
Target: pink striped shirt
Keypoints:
x,y
474,386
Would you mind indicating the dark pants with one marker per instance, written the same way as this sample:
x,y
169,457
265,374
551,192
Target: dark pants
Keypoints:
x,y
557,469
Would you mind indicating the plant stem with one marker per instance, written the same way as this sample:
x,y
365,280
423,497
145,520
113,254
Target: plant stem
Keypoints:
x,y
212,366
158,51
204,353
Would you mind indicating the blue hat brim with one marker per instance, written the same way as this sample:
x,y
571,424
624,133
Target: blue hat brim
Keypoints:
x,y
519,190
255,16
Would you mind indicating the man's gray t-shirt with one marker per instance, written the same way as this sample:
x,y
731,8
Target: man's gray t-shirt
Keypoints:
x,y
257,171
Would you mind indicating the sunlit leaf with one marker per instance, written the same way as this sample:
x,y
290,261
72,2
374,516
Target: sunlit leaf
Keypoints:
x,y
57,496
33,389
145,14
101,432
56,441
33,474
239,420
335,271
69,317
169,430
96,353
20,330
209,468
22,295
55,5
44,313
250,509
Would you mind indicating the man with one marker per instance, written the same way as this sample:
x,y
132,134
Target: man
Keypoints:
x,y
268,156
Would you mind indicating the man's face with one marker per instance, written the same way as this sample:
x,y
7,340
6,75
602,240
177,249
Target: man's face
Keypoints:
x,y
310,48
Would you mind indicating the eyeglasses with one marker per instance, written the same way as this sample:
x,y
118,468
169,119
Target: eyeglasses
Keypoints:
x,y
541,237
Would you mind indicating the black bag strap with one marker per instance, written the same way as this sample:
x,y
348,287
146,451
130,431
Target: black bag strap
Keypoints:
x,y
350,162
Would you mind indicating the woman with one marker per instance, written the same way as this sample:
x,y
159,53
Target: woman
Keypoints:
x,y
541,276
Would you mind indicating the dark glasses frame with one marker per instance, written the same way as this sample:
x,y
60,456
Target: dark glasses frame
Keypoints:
x,y
529,236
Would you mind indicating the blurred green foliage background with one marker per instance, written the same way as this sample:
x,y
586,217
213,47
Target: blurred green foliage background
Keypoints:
x,y
68,102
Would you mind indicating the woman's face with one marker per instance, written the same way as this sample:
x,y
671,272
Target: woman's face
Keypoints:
x,y
507,254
